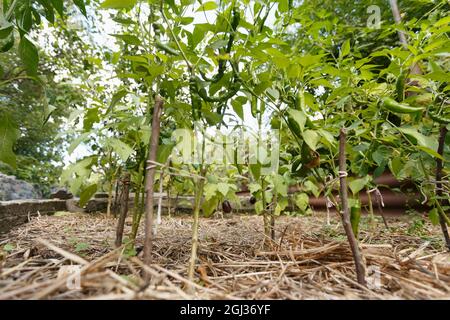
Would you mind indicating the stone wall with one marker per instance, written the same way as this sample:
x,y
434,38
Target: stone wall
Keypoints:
x,y
15,213
15,189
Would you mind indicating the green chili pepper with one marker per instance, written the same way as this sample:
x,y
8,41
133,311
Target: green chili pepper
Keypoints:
x,y
166,48
355,216
439,118
254,106
400,86
236,19
394,106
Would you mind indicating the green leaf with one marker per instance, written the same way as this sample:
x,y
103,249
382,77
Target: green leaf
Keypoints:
x,y
255,169
81,6
81,246
59,6
282,203
75,143
431,152
358,184
87,194
300,117
123,150
117,97
254,187
49,10
301,200
128,38
29,55
259,207
164,152
9,133
434,216
209,206
381,155
345,49
7,45
5,30
91,116
223,188
8,247
283,5
311,186
118,4
396,165
424,141
211,5
280,185
237,106
210,191
311,138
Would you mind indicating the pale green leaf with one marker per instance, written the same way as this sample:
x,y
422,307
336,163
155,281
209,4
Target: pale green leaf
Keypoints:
x,y
87,194
210,5
123,150
29,55
209,206
223,188
300,117
311,138
118,4
434,216
9,133
358,184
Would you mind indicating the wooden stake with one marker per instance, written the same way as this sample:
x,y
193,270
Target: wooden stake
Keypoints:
x,y
414,69
359,266
439,166
123,209
149,181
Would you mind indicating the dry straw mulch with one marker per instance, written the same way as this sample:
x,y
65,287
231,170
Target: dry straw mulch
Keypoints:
x,y
308,260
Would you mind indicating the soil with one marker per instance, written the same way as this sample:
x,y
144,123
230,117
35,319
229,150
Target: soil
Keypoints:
x,y
72,256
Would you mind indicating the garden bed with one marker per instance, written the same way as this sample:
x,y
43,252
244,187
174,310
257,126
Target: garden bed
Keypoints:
x,y
308,260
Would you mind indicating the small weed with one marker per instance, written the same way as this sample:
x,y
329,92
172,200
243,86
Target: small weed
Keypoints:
x,y
81,246
417,227
9,247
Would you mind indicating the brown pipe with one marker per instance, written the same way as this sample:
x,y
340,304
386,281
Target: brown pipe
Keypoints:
x,y
391,200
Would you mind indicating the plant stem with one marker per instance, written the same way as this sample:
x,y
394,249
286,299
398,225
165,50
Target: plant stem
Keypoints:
x,y
149,181
137,210
200,183
108,206
123,209
195,225
439,166
359,266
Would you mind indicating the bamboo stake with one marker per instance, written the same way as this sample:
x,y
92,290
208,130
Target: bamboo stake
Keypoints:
x,y
158,212
414,69
360,271
149,181
439,166
123,209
